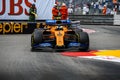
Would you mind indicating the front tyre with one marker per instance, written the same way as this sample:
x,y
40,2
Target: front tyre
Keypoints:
x,y
83,38
36,37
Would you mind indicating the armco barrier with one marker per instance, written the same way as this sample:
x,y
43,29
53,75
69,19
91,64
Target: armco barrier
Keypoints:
x,y
94,19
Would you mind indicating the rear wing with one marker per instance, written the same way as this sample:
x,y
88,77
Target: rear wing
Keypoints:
x,y
58,22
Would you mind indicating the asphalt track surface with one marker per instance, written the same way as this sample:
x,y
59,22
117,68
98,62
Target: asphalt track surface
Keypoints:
x,y
17,62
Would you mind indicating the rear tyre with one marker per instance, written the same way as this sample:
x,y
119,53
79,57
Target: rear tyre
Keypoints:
x,y
83,38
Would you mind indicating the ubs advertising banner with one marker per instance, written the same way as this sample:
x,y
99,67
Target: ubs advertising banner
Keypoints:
x,y
18,9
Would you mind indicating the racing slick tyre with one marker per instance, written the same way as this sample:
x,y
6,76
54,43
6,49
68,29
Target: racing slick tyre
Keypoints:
x,y
83,38
36,37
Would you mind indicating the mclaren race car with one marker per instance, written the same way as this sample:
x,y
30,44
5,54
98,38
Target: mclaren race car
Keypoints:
x,y
60,34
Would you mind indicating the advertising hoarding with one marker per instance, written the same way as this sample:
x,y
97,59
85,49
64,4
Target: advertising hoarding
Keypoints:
x,y
19,9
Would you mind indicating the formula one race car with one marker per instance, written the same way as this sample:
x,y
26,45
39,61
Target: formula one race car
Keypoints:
x,y
60,34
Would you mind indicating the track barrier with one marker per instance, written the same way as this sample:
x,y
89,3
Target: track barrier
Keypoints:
x,y
18,27
94,19
26,27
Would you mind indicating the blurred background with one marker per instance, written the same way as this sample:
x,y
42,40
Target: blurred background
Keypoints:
x,y
92,7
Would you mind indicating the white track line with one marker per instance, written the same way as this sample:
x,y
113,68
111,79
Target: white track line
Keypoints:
x,y
105,58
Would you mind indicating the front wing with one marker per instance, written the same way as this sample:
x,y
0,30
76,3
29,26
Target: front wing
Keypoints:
x,y
71,46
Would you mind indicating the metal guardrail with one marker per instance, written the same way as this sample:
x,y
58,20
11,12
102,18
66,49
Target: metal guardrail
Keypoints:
x,y
94,19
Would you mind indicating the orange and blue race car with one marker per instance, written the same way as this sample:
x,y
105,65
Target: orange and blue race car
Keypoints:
x,y
60,35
